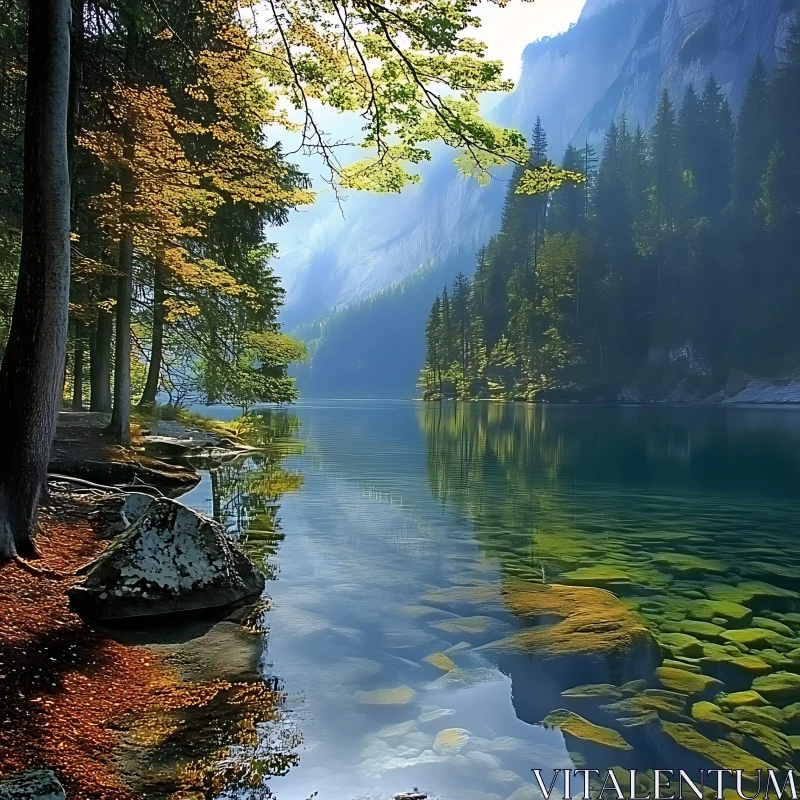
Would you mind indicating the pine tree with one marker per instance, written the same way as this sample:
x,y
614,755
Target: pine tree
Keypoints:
x,y
716,138
665,142
754,137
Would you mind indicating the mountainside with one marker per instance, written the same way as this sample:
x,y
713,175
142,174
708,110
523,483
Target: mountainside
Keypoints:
x,y
619,57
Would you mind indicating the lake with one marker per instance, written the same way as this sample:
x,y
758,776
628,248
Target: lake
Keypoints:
x,y
408,543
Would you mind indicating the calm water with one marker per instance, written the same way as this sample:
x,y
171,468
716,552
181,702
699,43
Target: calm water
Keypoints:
x,y
392,527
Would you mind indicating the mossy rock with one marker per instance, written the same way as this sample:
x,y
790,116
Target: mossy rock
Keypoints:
x,y
397,696
450,740
751,637
711,714
746,698
589,622
633,687
441,661
649,700
784,571
794,741
794,655
718,654
594,690
775,744
763,715
723,754
707,610
694,627
683,562
467,625
576,726
669,662
782,687
773,625
685,682
753,665
681,644
726,592
610,575
774,658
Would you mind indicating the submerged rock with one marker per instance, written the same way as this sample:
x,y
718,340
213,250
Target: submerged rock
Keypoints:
x,y
575,725
721,753
172,559
39,784
680,680
589,622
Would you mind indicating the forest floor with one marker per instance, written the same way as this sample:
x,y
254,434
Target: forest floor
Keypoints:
x,y
109,711
62,684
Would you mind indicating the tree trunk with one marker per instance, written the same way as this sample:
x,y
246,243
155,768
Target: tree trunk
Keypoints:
x,y
157,346
120,426
77,366
100,369
30,378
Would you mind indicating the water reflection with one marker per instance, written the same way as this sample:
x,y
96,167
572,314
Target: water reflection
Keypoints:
x,y
439,560
218,727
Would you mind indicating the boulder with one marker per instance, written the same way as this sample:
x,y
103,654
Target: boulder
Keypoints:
x,y
39,784
170,560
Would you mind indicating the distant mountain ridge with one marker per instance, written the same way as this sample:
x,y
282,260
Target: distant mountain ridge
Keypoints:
x,y
619,57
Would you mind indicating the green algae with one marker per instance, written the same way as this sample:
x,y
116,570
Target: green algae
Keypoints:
x,y
751,664
683,562
693,627
680,680
594,690
746,698
688,665
648,701
726,609
707,712
775,743
773,625
723,754
778,686
774,658
633,687
751,637
763,715
576,726
681,644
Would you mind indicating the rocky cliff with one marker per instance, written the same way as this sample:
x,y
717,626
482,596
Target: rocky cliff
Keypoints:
x,y
618,58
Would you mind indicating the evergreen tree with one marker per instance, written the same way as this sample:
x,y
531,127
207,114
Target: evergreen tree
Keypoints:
x,y
754,137
715,147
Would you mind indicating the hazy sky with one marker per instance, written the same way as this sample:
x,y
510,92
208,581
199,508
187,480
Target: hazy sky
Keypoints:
x,y
507,30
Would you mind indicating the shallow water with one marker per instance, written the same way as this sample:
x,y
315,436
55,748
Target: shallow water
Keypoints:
x,y
391,533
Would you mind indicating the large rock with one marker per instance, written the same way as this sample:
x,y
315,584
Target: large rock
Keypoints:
x,y
170,560
39,784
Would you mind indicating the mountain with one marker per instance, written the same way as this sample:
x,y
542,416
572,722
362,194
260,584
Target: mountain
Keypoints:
x,y
619,57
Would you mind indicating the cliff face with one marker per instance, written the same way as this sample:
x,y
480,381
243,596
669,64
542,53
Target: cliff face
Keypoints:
x,y
619,57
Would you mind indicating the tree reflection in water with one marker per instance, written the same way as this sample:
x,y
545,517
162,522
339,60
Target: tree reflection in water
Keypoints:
x,y
217,727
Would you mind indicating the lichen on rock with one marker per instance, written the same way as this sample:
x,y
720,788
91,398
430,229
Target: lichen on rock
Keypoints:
x,y
172,559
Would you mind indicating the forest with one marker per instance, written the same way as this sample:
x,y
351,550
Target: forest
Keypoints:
x,y
143,165
671,267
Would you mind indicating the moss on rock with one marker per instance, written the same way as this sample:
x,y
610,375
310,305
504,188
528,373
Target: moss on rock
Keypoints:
x,y
751,637
594,690
681,644
746,698
723,754
782,687
574,725
685,682
694,627
709,713
589,621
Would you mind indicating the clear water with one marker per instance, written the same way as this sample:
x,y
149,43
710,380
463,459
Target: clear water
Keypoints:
x,y
391,531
